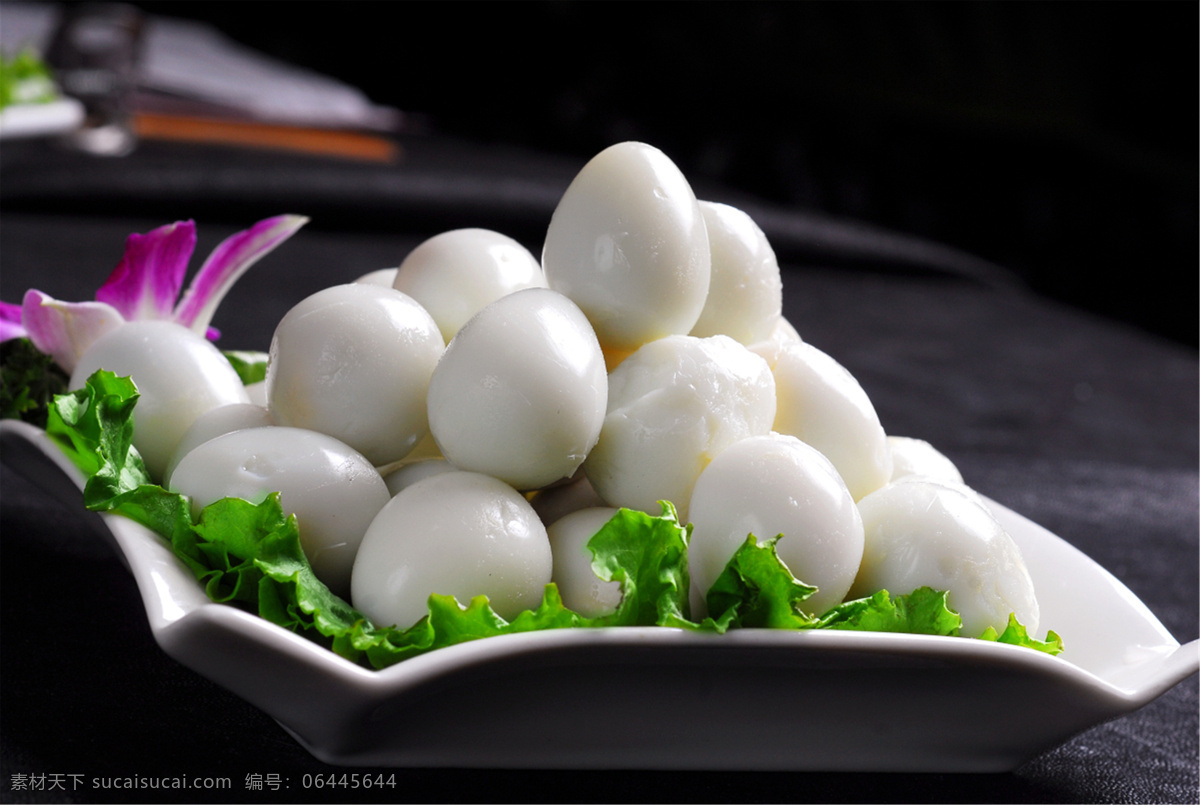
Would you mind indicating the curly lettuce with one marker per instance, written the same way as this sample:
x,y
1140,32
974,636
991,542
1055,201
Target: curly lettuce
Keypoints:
x,y
249,555
29,379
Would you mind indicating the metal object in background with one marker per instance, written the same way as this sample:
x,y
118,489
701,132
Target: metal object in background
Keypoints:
x,y
94,53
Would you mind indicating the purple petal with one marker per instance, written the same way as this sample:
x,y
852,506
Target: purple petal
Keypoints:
x,y
64,330
146,283
227,263
10,321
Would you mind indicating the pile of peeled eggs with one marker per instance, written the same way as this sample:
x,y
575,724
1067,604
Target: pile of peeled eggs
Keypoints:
x,y
464,423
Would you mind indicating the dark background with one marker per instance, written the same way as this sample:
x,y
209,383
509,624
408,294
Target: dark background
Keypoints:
x,y
1055,139
1058,140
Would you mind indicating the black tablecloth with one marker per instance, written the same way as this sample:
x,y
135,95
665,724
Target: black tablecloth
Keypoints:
x,y
1085,426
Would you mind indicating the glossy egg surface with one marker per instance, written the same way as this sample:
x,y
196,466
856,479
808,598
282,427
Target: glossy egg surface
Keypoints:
x,y
456,274
823,404
214,423
920,533
582,590
179,374
354,361
456,533
627,242
673,405
332,489
770,486
918,457
745,294
520,393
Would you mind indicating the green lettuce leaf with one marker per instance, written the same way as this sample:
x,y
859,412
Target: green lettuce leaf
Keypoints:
x,y
249,554
1015,634
922,611
94,428
648,556
250,366
29,379
756,589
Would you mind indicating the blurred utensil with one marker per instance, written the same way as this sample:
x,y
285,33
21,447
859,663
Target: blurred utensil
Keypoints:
x,y
215,131
94,51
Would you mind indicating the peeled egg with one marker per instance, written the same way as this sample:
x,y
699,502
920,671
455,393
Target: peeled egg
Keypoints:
x,y
823,404
581,589
560,500
410,472
257,392
380,276
424,449
332,489
456,274
917,457
627,242
745,294
920,533
521,390
770,348
673,405
456,533
768,486
354,361
179,375
214,423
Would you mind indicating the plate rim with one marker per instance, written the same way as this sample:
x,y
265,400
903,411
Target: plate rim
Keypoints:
x,y
201,621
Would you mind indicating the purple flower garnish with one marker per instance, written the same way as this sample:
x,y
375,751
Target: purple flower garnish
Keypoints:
x,y
10,321
146,285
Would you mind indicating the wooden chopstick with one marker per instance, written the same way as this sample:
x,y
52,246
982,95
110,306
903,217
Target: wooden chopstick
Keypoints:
x,y
329,142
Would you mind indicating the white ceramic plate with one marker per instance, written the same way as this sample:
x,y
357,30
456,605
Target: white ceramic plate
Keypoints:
x,y
41,119
665,699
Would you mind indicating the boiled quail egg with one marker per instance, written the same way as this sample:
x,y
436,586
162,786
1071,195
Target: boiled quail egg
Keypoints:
x,y
521,391
179,375
745,294
332,489
627,242
823,404
456,274
214,423
462,534
673,405
581,589
921,533
354,361
770,486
